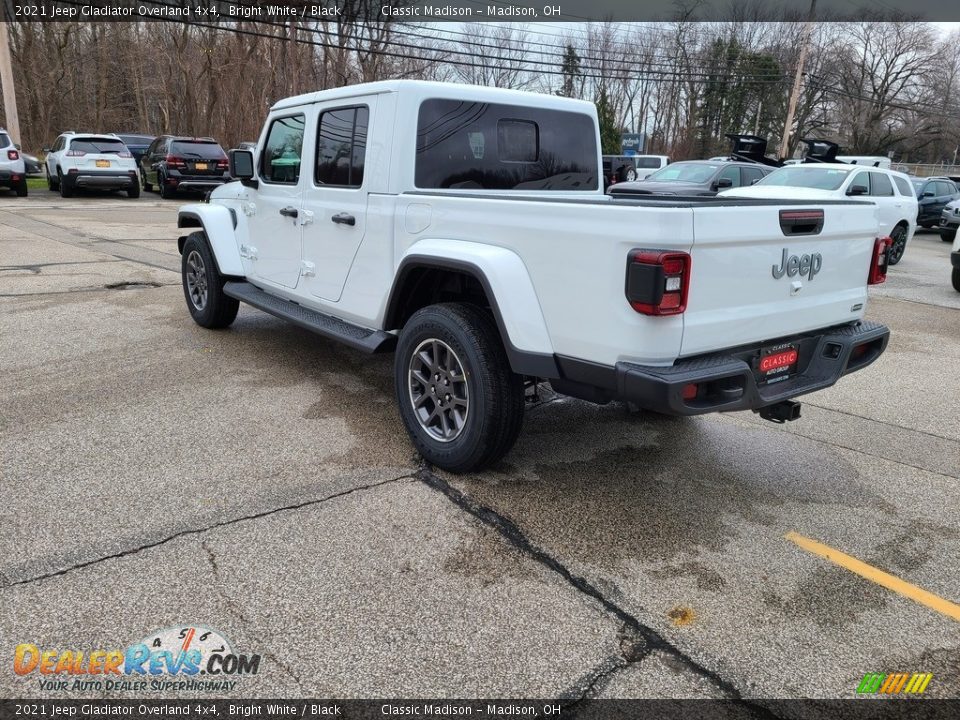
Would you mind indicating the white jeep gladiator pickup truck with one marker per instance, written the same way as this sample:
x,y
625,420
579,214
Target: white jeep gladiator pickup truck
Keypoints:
x,y
466,230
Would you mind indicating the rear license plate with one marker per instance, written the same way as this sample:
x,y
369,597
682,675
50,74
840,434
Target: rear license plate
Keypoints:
x,y
777,363
103,163
201,166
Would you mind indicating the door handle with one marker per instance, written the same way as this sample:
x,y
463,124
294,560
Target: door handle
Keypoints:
x,y
289,212
344,219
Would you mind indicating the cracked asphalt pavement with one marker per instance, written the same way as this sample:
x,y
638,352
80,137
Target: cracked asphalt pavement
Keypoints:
x,y
258,481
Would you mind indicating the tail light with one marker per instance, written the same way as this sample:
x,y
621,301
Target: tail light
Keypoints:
x,y
13,155
658,281
175,161
125,154
75,153
222,164
878,263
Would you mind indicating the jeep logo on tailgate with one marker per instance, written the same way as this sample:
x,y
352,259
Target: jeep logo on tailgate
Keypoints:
x,y
803,265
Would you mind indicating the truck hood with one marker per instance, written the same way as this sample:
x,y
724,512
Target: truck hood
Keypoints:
x,y
780,192
664,188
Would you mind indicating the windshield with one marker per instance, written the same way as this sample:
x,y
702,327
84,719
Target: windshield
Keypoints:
x,y
104,146
808,176
205,150
691,172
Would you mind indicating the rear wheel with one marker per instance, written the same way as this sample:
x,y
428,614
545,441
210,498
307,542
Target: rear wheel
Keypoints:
x,y
948,235
21,187
956,279
899,237
165,192
133,191
628,173
459,400
209,306
65,189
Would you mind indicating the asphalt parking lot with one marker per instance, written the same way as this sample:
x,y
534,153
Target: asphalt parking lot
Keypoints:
x,y
258,481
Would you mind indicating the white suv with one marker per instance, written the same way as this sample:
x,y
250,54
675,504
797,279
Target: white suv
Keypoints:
x,y
89,160
889,190
13,173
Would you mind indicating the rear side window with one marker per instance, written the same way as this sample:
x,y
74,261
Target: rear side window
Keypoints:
x,y
4,140
880,185
195,149
750,175
647,162
903,186
487,146
342,146
945,188
98,145
280,159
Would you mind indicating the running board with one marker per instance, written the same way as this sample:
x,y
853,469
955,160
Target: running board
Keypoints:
x,y
359,338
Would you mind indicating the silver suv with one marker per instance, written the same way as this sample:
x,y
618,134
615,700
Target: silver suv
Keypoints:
x,y
13,173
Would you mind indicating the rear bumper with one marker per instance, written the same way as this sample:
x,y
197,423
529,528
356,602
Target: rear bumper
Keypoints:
x,y
8,178
196,182
726,381
113,179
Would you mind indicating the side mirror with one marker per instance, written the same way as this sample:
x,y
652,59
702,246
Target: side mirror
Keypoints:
x,y
724,183
857,190
755,181
46,150
241,167
927,193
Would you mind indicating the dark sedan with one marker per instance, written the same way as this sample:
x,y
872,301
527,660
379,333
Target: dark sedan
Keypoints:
x,y
695,177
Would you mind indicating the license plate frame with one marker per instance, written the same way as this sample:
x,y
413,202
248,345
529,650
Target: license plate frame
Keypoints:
x,y
103,163
777,363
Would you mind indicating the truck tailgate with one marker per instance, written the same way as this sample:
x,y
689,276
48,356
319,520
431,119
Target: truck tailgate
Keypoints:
x,y
753,279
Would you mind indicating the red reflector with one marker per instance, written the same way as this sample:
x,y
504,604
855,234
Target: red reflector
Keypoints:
x,y
859,350
13,155
689,392
778,360
671,301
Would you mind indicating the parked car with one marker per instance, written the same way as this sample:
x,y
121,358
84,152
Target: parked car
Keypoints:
x,y
31,163
137,144
13,173
889,190
950,221
176,164
933,194
955,261
695,177
618,168
247,145
680,307
79,161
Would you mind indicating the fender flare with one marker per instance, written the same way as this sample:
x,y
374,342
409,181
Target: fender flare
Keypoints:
x,y
508,288
218,224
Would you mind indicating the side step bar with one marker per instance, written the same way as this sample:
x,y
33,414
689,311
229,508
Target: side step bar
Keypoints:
x,y
359,338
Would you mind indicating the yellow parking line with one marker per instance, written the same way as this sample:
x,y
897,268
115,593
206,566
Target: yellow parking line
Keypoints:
x,y
934,602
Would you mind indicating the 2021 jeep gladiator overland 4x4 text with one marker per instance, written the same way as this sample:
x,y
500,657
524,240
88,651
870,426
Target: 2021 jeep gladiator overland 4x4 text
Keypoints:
x,y
466,230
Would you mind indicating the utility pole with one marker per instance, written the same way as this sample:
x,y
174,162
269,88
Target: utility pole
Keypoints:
x,y
6,79
797,80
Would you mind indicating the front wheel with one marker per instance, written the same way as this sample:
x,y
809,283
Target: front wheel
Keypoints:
x,y
209,306
899,237
459,400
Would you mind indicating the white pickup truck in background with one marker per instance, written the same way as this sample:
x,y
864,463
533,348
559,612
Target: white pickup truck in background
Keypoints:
x,y
466,229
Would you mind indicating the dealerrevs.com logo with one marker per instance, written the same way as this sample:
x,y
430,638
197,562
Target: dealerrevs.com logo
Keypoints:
x,y
189,657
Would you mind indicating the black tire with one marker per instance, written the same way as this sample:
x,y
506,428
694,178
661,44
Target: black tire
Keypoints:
x,y
899,246
214,309
628,173
956,279
52,184
65,189
21,187
133,192
147,187
948,235
494,411
162,188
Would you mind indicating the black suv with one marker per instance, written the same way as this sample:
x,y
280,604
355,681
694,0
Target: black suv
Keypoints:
x,y
933,194
182,164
